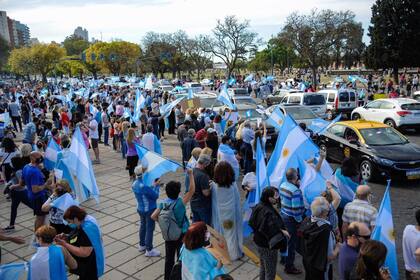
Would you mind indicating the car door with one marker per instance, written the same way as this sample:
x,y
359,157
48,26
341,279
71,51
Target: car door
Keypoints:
x,y
386,110
351,146
371,111
334,141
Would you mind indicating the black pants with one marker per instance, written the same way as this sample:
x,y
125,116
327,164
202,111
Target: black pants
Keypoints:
x,y
171,247
18,197
132,163
19,121
100,131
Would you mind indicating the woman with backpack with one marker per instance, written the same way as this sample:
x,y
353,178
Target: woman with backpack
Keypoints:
x,y
173,206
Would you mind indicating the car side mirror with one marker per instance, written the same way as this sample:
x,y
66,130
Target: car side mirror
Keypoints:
x,y
355,142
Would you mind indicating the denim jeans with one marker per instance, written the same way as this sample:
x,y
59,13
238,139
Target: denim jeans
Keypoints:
x,y
291,227
106,135
201,214
123,148
147,226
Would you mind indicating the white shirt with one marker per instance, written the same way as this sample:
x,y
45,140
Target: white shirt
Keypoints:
x,y
93,129
411,241
6,158
148,141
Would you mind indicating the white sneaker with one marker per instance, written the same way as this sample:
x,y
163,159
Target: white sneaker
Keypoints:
x,y
141,248
152,253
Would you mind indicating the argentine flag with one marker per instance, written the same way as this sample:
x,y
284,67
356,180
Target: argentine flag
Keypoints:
x,y
47,264
276,119
64,201
166,109
312,183
80,164
225,98
93,231
156,165
319,126
13,271
249,78
384,232
139,104
232,81
81,194
50,154
292,141
190,93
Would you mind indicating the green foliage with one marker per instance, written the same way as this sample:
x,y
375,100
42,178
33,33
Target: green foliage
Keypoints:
x,y
75,45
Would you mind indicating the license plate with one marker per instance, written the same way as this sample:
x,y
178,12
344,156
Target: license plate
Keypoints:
x,y
413,174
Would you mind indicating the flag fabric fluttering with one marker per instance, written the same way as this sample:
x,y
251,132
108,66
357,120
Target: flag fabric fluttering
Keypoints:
x,y
190,93
166,109
292,142
13,271
50,154
156,165
312,183
384,232
249,78
139,104
80,164
64,201
276,118
225,98
319,126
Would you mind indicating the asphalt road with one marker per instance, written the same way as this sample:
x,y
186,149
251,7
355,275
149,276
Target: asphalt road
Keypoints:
x,y
405,200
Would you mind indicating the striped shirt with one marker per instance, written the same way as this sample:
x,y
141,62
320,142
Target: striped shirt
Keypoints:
x,y
360,211
291,201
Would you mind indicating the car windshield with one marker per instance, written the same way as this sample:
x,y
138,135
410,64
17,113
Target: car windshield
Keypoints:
x,y
411,106
300,113
240,91
245,101
195,85
313,99
210,102
382,136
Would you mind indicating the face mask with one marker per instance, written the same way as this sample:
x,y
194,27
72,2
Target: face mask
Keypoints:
x,y
207,236
36,245
72,226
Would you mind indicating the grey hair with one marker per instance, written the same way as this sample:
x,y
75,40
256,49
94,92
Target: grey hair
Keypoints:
x,y
319,206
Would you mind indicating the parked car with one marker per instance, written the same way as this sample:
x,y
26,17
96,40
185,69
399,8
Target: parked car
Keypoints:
x,y
315,101
277,96
207,82
196,87
301,114
395,112
237,91
165,88
375,147
416,95
341,101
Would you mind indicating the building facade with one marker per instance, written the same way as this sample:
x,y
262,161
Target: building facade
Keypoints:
x,y
4,27
82,33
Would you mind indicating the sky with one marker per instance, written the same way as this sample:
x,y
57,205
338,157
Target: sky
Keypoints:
x,y
53,20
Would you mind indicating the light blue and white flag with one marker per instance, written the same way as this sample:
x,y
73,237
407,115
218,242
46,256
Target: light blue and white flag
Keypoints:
x,y
47,264
190,93
50,154
319,126
232,81
302,86
13,271
345,187
312,183
80,164
156,165
80,193
226,153
93,231
225,98
292,141
249,78
269,78
5,118
149,83
384,232
138,105
262,178
166,109
157,148
64,202
276,118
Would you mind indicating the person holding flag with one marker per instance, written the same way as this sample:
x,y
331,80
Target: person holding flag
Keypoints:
x,y
270,234
49,262
84,243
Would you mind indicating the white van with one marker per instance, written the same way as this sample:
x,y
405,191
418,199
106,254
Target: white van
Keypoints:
x,y
341,101
196,87
314,101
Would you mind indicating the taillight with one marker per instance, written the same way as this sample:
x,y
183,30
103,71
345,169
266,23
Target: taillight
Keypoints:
x,y
403,113
336,103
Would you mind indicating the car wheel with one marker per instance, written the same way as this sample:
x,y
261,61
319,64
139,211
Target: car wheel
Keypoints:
x,y
390,123
356,116
329,115
367,171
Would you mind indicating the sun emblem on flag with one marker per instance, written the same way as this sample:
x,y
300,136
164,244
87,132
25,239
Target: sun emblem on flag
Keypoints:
x,y
285,152
391,234
280,122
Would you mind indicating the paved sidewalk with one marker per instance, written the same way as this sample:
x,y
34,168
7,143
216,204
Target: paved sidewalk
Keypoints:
x,y
118,218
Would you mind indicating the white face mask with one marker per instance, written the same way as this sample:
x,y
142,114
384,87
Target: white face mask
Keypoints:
x,y
207,236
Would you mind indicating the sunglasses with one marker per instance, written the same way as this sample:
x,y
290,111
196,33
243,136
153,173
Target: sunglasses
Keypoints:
x,y
364,236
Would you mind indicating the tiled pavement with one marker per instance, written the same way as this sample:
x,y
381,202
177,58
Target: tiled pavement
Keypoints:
x,y
117,215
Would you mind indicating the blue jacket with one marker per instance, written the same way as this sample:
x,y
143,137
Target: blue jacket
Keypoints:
x,y
146,196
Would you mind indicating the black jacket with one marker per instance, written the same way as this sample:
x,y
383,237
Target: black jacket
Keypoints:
x,y
188,145
267,224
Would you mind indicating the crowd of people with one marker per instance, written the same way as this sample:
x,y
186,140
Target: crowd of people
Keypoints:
x,y
218,155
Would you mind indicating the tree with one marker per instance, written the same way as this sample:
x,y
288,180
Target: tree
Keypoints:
x,y
72,66
4,52
93,59
20,62
45,57
395,35
200,60
75,45
231,41
313,36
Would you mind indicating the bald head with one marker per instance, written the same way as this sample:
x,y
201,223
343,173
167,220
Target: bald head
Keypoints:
x,y
35,156
361,228
363,192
